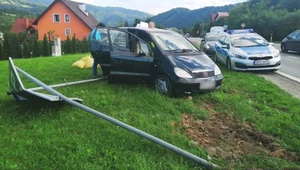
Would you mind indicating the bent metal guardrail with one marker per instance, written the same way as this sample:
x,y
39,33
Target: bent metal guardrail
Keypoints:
x,y
154,139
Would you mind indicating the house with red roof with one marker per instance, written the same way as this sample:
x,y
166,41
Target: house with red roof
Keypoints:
x,y
63,18
218,15
22,25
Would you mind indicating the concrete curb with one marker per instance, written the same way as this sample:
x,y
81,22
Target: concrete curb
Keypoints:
x,y
288,76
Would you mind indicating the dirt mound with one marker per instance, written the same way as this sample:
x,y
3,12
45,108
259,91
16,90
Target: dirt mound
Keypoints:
x,y
223,136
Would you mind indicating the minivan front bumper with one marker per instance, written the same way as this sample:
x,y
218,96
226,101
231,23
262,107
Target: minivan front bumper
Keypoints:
x,y
198,84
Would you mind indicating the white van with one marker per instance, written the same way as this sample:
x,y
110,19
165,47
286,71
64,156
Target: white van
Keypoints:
x,y
216,29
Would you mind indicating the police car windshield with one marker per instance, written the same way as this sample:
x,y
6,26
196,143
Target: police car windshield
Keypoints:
x,y
171,41
248,41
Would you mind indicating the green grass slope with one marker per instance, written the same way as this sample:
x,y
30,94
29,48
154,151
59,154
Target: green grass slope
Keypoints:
x,y
40,135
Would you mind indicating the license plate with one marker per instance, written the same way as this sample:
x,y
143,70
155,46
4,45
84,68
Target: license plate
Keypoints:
x,y
261,62
207,84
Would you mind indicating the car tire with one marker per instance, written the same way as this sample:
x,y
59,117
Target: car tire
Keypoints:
x,y
215,57
283,48
228,63
163,85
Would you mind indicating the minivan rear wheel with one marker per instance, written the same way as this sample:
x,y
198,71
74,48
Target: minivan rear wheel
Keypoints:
x,y
163,85
283,48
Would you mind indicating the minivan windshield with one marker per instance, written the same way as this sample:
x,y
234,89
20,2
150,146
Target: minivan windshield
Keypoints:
x,y
171,41
248,41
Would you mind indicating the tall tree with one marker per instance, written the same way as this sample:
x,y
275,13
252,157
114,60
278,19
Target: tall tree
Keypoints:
x,y
45,47
126,24
36,52
16,48
136,21
6,46
1,51
74,45
67,46
26,52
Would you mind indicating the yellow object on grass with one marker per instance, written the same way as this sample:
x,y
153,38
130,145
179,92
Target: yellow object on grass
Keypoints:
x,y
84,62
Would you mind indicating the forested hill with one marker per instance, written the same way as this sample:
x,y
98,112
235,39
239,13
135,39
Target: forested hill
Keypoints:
x,y
111,16
21,6
184,18
289,5
276,17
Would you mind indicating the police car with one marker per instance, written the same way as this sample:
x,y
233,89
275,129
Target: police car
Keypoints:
x,y
244,49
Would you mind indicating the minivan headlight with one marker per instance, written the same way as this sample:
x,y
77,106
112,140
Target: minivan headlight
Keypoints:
x,y
217,70
182,73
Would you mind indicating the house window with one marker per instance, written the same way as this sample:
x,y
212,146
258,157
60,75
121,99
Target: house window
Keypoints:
x,y
67,18
56,18
68,31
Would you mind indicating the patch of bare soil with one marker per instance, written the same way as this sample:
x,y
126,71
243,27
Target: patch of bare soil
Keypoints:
x,y
224,137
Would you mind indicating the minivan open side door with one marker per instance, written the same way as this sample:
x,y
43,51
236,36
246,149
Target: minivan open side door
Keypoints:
x,y
129,55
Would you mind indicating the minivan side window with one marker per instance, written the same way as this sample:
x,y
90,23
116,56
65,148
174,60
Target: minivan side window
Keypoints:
x,y
119,40
294,35
298,36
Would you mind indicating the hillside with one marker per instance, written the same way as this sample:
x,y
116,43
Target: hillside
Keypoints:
x,y
22,6
183,17
111,16
267,17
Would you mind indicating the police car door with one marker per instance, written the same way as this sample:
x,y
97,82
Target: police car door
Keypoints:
x,y
219,49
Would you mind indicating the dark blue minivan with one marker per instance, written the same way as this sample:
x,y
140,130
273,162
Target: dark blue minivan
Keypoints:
x,y
165,57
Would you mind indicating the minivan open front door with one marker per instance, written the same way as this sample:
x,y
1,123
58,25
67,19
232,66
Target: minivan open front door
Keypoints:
x,y
100,49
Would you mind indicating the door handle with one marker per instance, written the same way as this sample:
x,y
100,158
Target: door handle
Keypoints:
x,y
118,61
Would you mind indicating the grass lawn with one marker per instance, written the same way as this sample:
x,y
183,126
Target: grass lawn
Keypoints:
x,y
247,124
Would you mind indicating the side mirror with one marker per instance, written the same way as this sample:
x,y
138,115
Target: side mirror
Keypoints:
x,y
271,43
141,53
226,46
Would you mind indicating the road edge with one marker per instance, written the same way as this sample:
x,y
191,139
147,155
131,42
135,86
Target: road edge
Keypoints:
x,y
288,76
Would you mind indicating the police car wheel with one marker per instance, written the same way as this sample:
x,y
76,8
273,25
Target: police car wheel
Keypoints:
x,y
162,85
215,57
228,63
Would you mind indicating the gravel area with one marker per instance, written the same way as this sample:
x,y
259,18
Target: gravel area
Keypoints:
x,y
284,83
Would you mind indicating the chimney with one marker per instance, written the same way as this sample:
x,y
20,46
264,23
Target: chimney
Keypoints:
x,y
82,7
26,23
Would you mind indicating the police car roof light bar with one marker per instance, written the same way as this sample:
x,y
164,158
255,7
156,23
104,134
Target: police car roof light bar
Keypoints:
x,y
240,31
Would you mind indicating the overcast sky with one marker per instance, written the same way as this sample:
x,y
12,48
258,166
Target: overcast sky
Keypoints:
x,y
158,6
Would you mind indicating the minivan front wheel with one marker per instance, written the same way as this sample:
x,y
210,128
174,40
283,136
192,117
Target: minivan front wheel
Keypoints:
x,y
162,85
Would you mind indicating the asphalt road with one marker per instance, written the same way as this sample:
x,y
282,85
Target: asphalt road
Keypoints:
x,y
290,63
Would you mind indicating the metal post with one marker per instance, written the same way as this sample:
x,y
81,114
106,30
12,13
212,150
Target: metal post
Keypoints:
x,y
271,38
154,139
